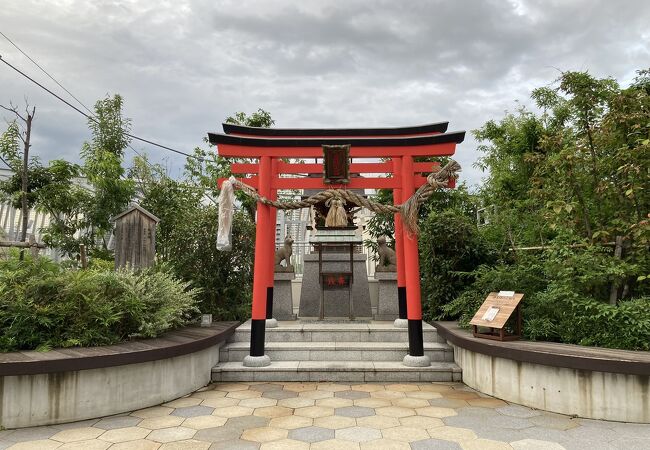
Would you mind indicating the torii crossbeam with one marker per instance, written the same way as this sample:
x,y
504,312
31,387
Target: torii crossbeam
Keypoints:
x,y
399,146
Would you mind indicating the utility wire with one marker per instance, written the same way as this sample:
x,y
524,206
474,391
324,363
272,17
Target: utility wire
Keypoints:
x,y
90,117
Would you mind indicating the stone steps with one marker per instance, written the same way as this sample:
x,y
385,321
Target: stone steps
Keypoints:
x,y
348,371
336,351
373,331
331,351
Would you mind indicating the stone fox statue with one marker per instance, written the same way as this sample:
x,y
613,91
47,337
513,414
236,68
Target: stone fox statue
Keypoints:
x,y
284,253
387,257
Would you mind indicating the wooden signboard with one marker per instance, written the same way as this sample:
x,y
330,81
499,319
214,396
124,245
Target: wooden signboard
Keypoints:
x,y
495,312
336,164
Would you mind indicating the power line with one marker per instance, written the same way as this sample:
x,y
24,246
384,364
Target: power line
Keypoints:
x,y
90,117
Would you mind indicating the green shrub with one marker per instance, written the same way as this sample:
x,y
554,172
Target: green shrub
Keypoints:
x,y
43,305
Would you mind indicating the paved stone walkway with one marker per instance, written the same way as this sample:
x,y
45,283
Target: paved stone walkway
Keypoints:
x,y
320,416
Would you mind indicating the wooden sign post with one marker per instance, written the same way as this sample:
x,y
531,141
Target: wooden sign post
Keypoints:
x,y
495,312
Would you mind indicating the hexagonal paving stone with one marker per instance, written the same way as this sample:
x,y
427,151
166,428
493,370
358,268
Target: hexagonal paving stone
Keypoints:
x,y
235,444
388,395
476,412
155,411
410,402
451,434
297,402
241,395
187,444
498,434
220,402
233,411
372,402
203,422
244,422
315,394
193,411
518,411
385,444
300,387
264,434
335,444
333,387
285,444
378,422
291,422
314,411
335,422
311,434
334,402
273,411
421,422
358,434
461,395
40,444
534,444
182,402
92,444
509,422
355,411
406,434
110,423
124,434
402,387
368,387
77,434
139,444
395,411
545,434
352,395
156,423
434,411
485,444
437,444
259,402
279,395
487,402
264,387
554,421
465,421
424,395
435,387
171,434
218,434
448,403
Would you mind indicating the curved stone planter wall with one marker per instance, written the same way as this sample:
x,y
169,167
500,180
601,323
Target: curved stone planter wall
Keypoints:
x,y
68,385
587,382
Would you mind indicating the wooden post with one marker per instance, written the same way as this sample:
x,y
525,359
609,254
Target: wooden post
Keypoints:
x,y
618,253
412,270
261,268
82,256
399,244
33,247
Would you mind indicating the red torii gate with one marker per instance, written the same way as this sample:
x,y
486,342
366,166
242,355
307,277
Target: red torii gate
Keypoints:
x,y
401,145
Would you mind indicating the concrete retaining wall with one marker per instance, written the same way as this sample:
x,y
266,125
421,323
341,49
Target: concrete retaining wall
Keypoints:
x,y
585,393
50,398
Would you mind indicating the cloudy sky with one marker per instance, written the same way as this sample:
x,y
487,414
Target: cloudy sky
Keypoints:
x,y
182,66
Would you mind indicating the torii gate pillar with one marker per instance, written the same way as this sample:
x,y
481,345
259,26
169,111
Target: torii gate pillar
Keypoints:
x,y
416,356
263,270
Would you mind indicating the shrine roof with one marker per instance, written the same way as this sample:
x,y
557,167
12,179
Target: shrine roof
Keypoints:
x,y
439,127
383,141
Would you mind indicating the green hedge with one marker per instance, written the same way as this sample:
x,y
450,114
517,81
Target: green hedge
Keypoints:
x,y
43,305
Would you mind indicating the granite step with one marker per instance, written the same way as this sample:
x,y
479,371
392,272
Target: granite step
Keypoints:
x,y
348,371
335,351
301,331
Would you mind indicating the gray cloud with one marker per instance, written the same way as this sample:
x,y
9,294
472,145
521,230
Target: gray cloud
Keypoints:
x,y
184,66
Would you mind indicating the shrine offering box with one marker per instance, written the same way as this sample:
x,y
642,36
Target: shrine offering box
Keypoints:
x,y
495,311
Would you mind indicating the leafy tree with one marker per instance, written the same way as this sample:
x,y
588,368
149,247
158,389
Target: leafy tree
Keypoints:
x,y
82,199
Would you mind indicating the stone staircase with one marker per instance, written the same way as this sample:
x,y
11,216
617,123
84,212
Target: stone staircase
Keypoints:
x,y
345,351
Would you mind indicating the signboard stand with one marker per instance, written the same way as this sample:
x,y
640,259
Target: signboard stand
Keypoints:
x,y
493,314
